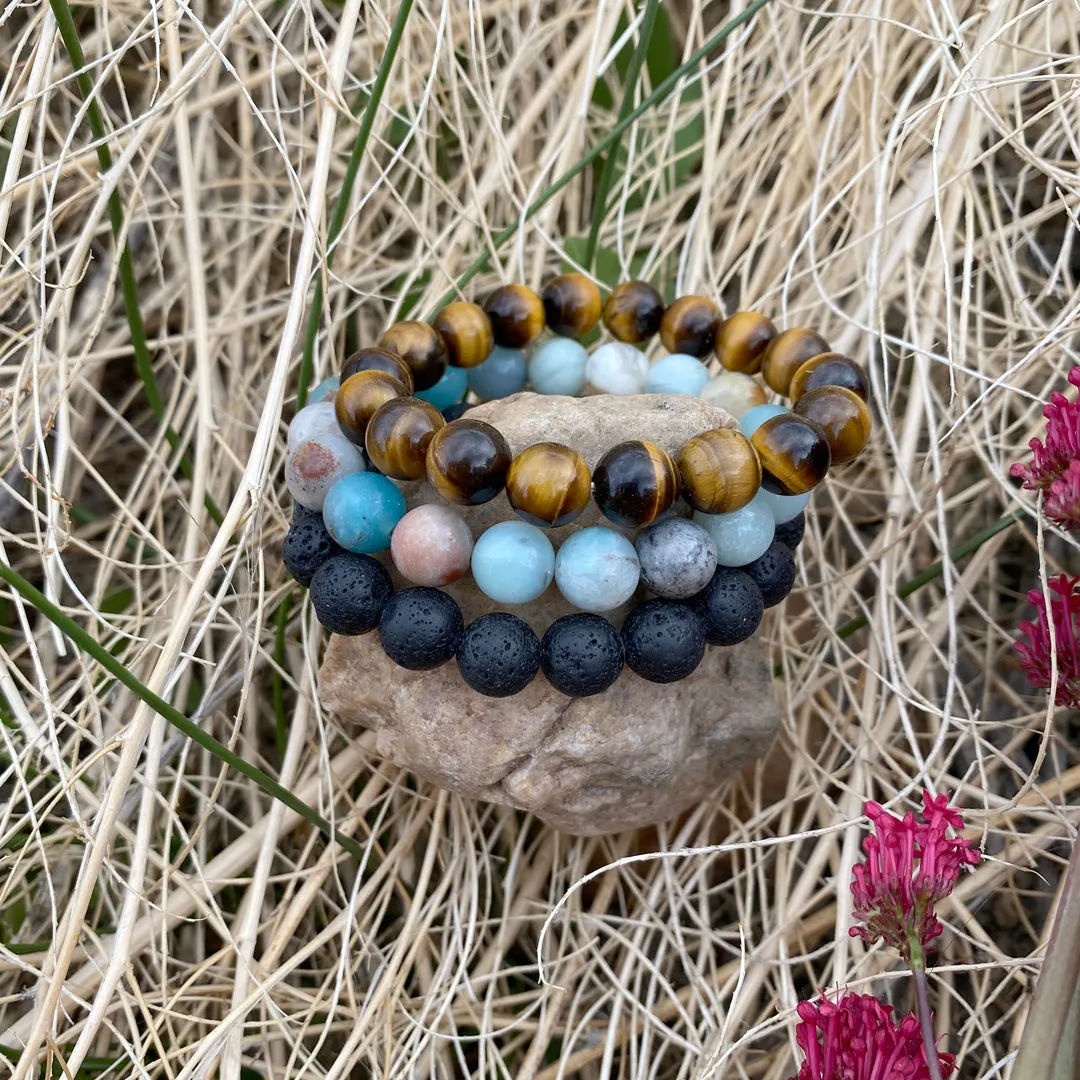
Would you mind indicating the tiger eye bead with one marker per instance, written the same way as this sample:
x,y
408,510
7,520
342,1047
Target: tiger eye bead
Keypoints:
x,y
548,484
467,462
830,369
516,315
467,332
742,340
633,311
786,353
421,347
361,396
375,358
720,471
794,454
572,305
842,415
689,325
634,483
398,435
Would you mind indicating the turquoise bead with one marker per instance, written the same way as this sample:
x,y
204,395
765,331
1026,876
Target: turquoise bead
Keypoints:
x,y
513,562
678,373
558,367
500,375
449,390
784,507
741,536
597,569
326,389
361,511
750,421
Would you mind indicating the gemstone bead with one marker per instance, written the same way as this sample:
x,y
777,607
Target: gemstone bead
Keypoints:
x,y
422,348
449,390
791,532
663,641
432,545
616,368
773,573
581,655
842,415
361,511
784,507
500,375
678,373
786,353
316,466
829,369
349,592
794,454
548,484
736,393
633,311
516,315
398,435
376,358
513,563
420,629
558,367
572,305
467,462
634,483
720,471
361,396
742,340
499,654
730,607
467,331
313,421
325,390
677,557
307,545
689,325
740,537
750,421
597,569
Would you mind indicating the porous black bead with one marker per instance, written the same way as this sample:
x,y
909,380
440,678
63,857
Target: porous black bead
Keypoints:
x,y
791,532
307,545
499,654
581,654
349,592
664,641
456,411
773,573
730,607
301,514
420,628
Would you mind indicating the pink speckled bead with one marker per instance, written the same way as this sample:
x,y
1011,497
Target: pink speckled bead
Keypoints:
x,y
431,545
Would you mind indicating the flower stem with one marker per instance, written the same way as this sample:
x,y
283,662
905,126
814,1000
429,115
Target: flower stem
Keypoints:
x,y
922,1006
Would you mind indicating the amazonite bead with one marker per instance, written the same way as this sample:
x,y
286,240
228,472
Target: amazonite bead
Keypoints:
x,y
312,422
500,375
616,368
315,467
449,390
741,536
558,367
326,389
678,373
750,421
784,507
597,569
361,511
513,562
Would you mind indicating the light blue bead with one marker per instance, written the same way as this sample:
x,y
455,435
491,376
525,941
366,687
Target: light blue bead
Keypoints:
x,y
325,389
784,507
500,375
752,420
361,511
597,569
513,562
558,367
449,390
678,373
743,535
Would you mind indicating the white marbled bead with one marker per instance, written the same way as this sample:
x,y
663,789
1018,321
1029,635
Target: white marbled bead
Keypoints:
x,y
733,391
617,368
678,558
312,422
316,465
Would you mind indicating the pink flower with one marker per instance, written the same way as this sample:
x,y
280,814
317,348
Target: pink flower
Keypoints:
x,y
1035,652
857,1039
910,865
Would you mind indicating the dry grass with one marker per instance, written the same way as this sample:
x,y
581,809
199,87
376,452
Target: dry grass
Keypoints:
x,y
902,175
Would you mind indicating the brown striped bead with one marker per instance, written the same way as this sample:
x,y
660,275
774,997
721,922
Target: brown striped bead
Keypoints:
x,y
720,471
689,325
786,353
633,311
742,340
794,454
375,358
572,305
516,315
842,415
360,397
398,435
467,331
830,369
548,484
634,483
421,347
467,462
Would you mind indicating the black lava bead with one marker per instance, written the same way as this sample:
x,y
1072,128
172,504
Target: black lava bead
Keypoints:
x,y
664,641
791,532
773,573
499,654
730,606
581,655
456,411
349,592
307,545
420,628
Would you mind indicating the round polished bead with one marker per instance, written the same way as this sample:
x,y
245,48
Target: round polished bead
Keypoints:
x,y
558,367
720,471
422,348
773,573
634,483
499,654
829,369
398,435
313,421
420,629
500,375
616,368
791,532
467,462
432,545
316,465
452,386
678,373
740,537
677,558
581,655
633,311
376,358
842,415
548,484
750,421
597,569
349,592
324,390
513,563
786,353
664,641
735,393
361,511
467,331
516,315
456,412
572,305
784,507
742,340
730,607
794,454
689,325
307,545
361,396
